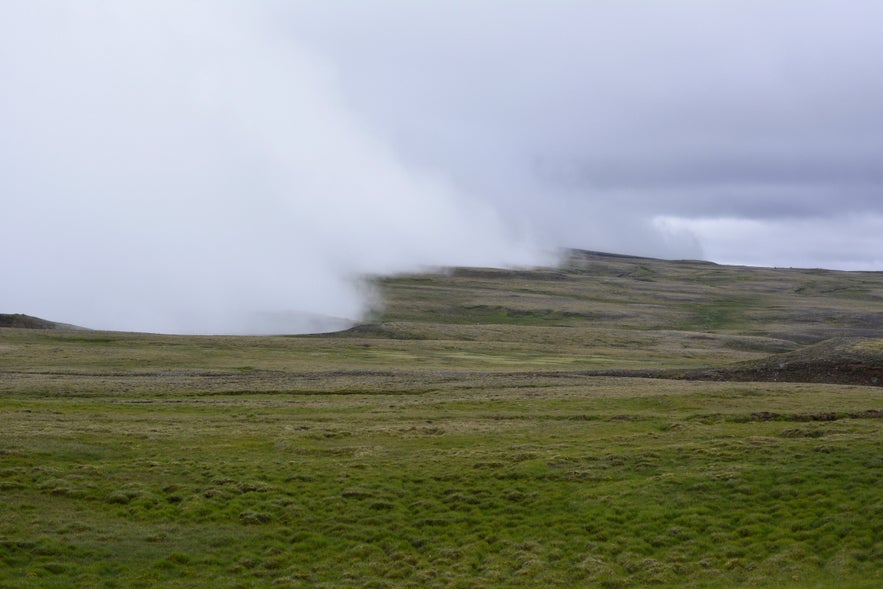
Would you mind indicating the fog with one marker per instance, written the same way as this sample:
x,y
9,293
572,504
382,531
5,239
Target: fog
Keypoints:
x,y
195,171
233,167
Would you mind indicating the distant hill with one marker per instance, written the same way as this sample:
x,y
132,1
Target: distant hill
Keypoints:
x,y
772,309
21,321
649,317
618,315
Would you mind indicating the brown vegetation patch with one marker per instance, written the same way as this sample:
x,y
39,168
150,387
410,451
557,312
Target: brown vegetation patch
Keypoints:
x,y
839,361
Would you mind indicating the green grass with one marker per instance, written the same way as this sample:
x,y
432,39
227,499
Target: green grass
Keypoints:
x,y
430,451
606,484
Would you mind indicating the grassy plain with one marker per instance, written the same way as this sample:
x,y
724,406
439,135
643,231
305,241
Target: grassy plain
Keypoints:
x,y
483,432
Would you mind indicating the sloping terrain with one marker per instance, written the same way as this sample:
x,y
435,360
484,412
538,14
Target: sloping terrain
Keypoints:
x,y
25,321
597,313
594,290
643,316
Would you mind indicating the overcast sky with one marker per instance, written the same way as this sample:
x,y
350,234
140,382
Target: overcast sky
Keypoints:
x,y
207,166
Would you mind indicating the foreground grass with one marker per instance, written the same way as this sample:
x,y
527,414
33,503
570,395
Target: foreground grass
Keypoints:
x,y
520,481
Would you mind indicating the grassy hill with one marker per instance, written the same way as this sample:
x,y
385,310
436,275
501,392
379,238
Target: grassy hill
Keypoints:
x,y
651,317
615,422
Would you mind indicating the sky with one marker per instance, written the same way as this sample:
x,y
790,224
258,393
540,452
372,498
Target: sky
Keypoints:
x,y
202,166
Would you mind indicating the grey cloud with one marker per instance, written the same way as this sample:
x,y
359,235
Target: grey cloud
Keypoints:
x,y
738,109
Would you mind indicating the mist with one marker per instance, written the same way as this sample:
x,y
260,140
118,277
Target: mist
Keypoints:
x,y
182,168
635,126
232,167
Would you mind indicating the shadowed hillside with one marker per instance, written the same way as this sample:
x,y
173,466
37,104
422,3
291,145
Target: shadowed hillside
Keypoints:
x,y
21,321
840,360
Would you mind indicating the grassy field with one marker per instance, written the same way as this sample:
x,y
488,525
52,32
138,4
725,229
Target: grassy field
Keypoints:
x,y
486,430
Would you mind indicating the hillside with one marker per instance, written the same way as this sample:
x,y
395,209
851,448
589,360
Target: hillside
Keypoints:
x,y
25,322
628,313
595,291
597,313
20,321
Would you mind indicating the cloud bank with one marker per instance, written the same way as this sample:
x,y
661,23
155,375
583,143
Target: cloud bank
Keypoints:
x,y
598,120
223,167
185,168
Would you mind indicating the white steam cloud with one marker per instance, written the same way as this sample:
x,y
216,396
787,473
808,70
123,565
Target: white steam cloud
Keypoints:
x,y
184,167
